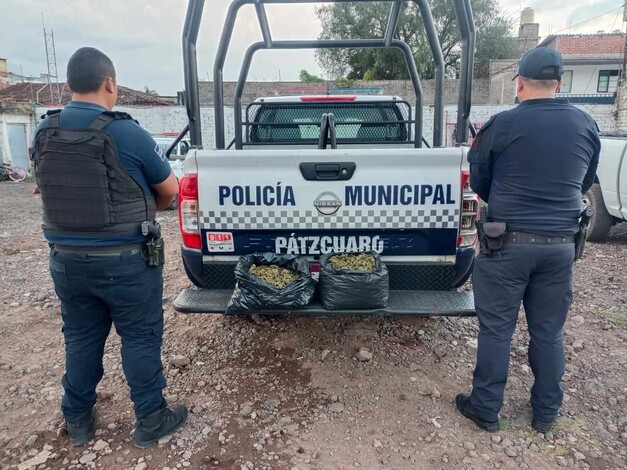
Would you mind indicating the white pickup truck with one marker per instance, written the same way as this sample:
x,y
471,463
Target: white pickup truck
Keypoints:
x,y
608,195
309,175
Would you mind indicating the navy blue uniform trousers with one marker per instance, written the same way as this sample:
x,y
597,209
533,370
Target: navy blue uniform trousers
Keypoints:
x,y
96,291
539,276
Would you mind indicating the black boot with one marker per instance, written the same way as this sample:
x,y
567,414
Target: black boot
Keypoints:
x,y
540,426
157,425
81,432
463,405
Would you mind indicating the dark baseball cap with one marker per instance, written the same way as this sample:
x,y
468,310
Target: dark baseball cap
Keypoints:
x,y
541,63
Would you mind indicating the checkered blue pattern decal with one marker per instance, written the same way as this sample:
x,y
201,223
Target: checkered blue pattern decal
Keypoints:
x,y
343,219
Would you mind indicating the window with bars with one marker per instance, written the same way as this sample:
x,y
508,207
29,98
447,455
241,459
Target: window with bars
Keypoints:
x,y
608,79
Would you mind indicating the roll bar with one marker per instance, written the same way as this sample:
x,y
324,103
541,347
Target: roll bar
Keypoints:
x,y
190,36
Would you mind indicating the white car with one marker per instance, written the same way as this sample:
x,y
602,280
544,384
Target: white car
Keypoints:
x,y
176,158
179,151
608,194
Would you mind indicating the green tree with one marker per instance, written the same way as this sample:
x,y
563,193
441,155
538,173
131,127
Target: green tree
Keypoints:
x,y
369,20
149,91
343,82
305,76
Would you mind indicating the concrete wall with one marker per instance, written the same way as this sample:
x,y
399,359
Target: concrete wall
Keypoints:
x,y
402,88
501,88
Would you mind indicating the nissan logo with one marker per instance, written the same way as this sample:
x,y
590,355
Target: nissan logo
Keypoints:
x,y
327,203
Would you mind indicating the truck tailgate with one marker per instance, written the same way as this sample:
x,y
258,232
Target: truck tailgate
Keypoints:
x,y
402,202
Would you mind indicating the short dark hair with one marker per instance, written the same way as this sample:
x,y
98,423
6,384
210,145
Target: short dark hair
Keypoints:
x,y
87,70
540,84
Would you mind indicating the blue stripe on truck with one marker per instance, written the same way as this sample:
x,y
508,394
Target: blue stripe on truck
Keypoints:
x,y
407,242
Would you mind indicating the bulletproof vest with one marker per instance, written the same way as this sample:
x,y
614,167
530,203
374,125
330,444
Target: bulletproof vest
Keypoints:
x,y
85,190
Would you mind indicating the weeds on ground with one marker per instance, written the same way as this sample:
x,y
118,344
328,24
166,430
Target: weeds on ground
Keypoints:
x,y
619,317
561,450
506,426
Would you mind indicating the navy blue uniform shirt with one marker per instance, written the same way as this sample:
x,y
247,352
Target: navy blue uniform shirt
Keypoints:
x,y
532,164
139,154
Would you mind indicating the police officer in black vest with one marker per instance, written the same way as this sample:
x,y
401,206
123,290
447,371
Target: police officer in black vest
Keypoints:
x,y
102,178
531,164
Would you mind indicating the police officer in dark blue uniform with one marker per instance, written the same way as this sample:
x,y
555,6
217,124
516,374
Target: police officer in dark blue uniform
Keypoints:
x,y
102,178
531,164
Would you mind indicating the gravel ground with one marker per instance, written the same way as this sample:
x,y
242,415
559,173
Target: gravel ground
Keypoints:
x,y
308,393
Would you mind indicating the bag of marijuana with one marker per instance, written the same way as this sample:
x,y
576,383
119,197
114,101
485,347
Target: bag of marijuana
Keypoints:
x,y
266,281
353,281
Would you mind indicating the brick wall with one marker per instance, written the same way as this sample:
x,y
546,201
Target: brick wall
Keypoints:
x,y
402,88
159,120
603,114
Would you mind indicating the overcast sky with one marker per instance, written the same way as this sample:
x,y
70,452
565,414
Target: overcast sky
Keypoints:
x,y
143,38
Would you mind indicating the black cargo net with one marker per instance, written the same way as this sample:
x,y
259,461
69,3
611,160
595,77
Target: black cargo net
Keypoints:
x,y
356,122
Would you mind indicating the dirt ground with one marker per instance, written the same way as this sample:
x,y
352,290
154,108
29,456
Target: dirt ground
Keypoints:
x,y
290,393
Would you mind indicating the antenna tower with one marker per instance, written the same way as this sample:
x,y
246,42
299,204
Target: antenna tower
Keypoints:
x,y
51,58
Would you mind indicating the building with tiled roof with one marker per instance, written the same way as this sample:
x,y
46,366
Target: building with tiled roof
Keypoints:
x,y
593,63
42,94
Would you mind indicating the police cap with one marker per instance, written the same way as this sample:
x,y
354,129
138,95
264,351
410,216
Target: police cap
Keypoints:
x,y
541,63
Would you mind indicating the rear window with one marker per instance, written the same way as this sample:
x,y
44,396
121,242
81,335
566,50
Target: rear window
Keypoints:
x,y
356,122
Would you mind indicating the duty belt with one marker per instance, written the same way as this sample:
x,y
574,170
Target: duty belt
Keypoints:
x,y
526,238
134,249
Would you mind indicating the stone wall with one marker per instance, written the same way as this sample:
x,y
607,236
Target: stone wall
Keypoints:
x,y
621,109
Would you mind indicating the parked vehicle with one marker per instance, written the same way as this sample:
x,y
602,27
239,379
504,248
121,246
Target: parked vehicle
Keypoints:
x,y
176,152
179,151
311,175
608,195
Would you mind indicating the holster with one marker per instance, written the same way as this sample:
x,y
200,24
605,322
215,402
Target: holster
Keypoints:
x,y
492,236
580,238
154,249
154,252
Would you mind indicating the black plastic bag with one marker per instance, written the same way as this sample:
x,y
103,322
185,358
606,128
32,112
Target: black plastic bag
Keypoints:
x,y
254,294
348,289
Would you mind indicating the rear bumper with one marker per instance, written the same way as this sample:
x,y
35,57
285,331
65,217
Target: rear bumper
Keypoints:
x,y
414,303
192,262
414,289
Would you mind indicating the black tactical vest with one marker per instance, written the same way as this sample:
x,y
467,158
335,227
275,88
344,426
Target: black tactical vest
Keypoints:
x,y
85,190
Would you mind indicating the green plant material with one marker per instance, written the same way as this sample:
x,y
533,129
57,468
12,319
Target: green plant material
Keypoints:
x,y
353,261
274,275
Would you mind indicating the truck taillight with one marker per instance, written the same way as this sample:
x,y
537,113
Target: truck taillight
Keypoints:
x,y
470,211
188,211
466,182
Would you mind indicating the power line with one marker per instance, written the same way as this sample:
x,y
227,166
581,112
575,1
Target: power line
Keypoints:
x,y
589,19
615,18
507,67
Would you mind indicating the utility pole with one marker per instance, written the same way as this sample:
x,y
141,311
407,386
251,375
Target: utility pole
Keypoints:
x,y
51,59
624,41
